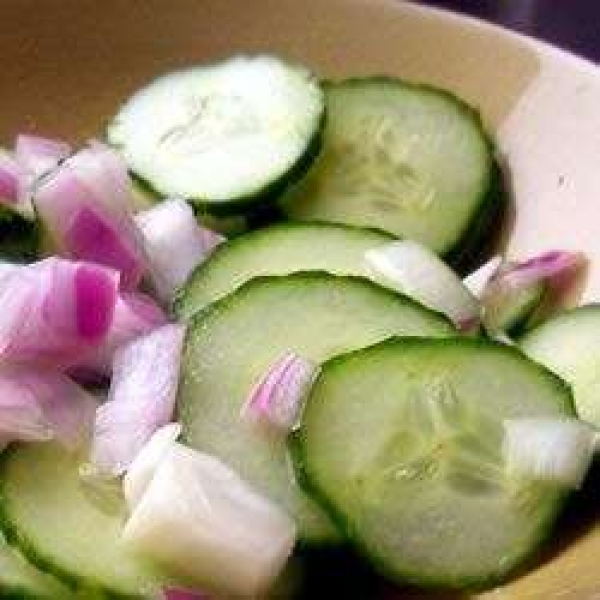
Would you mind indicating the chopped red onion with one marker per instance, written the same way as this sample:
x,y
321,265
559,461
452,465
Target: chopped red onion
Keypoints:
x,y
543,277
105,173
80,301
141,397
415,270
477,281
21,414
175,244
85,206
33,157
39,155
277,399
142,468
210,527
546,266
40,404
17,296
135,315
141,311
55,311
12,179
8,267
95,238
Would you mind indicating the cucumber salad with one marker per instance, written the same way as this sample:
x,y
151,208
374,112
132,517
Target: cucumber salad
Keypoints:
x,y
252,324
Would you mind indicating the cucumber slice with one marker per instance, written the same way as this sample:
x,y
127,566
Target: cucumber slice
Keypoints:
x,y
18,234
225,136
410,159
234,341
569,345
402,441
278,250
47,511
19,579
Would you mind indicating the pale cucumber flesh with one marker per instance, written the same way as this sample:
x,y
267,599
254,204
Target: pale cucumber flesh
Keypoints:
x,y
235,341
411,160
60,525
403,442
224,136
20,579
278,250
569,345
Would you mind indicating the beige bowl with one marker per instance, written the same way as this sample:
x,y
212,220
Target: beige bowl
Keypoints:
x,y
66,64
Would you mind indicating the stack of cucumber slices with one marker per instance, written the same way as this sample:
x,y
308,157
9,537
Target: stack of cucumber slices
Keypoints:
x,y
253,132
399,452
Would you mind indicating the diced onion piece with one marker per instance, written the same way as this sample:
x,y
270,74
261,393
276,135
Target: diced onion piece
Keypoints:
x,y
175,243
105,173
21,414
141,471
39,404
549,449
135,315
8,267
277,399
55,311
85,207
39,155
141,397
17,298
477,281
95,238
416,271
543,267
81,299
519,284
12,179
199,519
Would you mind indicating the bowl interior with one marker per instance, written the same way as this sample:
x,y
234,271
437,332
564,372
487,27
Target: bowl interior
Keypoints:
x,y
67,64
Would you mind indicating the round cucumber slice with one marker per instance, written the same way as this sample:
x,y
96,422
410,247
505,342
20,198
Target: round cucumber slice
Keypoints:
x,y
21,580
569,345
235,341
225,136
278,250
402,441
61,529
409,159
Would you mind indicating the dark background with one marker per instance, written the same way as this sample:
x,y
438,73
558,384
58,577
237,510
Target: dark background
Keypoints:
x,y
571,24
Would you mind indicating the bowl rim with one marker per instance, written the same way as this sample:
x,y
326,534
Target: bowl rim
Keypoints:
x,y
461,19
